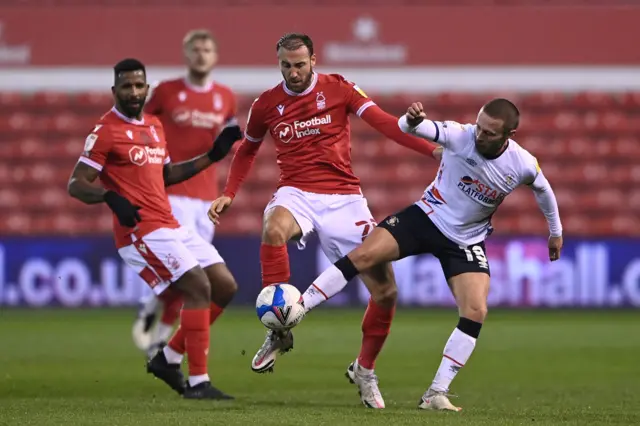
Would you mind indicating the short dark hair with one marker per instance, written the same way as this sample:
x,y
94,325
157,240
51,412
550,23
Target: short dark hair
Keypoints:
x,y
294,41
505,110
126,65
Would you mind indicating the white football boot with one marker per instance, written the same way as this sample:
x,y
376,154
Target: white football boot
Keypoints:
x,y
435,400
144,322
367,386
276,342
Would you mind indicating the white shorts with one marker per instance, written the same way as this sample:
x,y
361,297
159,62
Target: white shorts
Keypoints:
x,y
192,213
164,255
341,221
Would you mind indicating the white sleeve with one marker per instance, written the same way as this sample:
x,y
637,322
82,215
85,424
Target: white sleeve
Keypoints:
x,y
445,133
547,202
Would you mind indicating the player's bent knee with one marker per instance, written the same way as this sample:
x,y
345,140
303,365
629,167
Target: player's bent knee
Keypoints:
x,y
474,311
379,248
223,291
363,258
223,284
195,288
381,284
386,295
278,227
274,234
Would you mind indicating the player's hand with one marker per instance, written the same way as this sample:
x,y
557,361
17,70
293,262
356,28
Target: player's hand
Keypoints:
x,y
223,143
555,246
415,114
218,207
126,212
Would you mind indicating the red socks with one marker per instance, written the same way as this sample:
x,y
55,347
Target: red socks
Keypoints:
x,y
375,329
214,312
274,261
194,324
177,342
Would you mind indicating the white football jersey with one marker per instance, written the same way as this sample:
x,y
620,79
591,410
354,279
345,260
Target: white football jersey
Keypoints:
x,y
468,188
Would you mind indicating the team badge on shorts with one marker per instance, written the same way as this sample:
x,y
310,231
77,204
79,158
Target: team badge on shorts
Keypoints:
x,y
393,221
173,262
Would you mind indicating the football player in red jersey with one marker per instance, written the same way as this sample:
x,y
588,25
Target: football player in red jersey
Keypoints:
x,y
307,116
128,152
192,109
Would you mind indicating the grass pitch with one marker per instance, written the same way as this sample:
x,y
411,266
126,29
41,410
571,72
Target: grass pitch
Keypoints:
x,y
530,368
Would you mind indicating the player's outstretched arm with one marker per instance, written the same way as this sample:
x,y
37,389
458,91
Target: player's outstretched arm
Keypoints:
x,y
240,166
82,184
448,134
548,204
178,172
387,124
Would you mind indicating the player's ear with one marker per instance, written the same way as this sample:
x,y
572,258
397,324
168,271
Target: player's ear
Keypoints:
x,y
511,134
312,61
113,90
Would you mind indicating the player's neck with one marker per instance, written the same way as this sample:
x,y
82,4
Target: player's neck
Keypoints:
x,y
124,114
200,82
499,153
305,88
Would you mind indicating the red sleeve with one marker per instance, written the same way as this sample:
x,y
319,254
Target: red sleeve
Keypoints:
x,y
240,166
97,146
355,98
154,101
387,124
256,126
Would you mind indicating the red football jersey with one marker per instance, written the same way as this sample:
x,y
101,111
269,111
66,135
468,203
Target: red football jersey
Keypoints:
x,y
192,118
130,155
311,131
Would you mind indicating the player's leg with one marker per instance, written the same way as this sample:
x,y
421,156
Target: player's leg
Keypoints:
x,y
370,253
192,335
467,272
371,247
279,226
394,238
223,288
288,215
165,264
145,320
170,303
223,283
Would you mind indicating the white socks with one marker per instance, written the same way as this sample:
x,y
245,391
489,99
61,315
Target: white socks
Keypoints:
x,y
327,285
456,354
172,356
196,380
161,333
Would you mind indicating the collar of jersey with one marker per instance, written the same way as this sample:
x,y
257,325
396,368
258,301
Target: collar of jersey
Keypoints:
x,y
314,80
200,89
123,117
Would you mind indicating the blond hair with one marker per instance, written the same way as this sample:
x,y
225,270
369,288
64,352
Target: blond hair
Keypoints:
x,y
199,34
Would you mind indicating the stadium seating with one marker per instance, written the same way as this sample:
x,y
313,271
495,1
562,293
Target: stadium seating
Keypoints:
x,y
587,144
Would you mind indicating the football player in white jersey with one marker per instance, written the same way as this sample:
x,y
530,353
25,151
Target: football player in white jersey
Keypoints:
x,y
480,166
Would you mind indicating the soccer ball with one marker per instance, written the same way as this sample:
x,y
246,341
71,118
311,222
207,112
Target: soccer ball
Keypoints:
x,y
280,306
